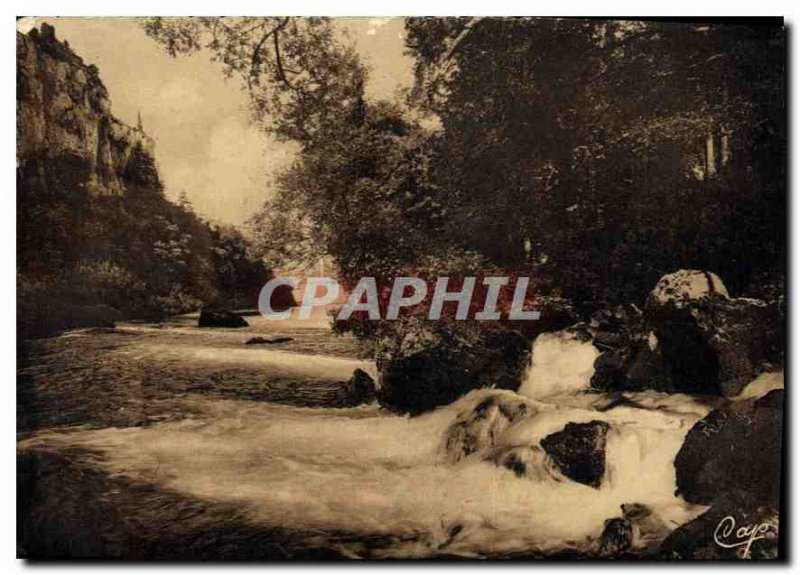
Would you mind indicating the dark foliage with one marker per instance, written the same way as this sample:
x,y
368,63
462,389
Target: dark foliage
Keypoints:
x,y
137,252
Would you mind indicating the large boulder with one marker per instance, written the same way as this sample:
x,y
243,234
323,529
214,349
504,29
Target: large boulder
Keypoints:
x,y
218,317
735,527
429,366
692,338
737,447
685,287
579,451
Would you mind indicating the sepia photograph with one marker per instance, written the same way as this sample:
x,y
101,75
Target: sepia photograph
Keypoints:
x,y
451,288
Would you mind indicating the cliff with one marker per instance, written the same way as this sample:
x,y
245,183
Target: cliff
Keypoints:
x,y
63,114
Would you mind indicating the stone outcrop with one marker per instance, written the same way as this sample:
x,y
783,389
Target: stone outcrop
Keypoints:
x,y
691,338
737,447
64,118
731,460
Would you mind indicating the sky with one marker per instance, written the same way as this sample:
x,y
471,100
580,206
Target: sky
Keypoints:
x,y
205,143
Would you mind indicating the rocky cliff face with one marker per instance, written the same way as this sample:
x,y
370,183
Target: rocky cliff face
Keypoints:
x,y
63,114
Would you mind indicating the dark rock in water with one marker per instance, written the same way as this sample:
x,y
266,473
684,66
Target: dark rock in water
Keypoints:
x,y
638,533
433,366
647,368
610,371
424,365
736,447
218,317
710,342
263,340
555,314
691,338
617,537
361,387
517,459
615,328
715,534
477,430
629,360
636,367
579,451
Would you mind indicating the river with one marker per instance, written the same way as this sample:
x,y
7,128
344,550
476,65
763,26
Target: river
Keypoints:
x,y
197,413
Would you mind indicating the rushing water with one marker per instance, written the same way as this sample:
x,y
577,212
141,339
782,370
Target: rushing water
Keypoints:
x,y
361,470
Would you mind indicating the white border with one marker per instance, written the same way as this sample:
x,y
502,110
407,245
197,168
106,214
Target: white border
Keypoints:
x,y
784,8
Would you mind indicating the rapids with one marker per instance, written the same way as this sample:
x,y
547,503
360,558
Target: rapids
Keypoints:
x,y
364,471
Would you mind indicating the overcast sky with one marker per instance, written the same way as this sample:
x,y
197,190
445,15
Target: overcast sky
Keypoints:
x,y
205,144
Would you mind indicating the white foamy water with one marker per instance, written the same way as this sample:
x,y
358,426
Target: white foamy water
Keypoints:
x,y
762,385
561,364
363,471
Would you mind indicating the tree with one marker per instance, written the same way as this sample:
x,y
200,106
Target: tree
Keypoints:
x,y
300,78
357,190
581,147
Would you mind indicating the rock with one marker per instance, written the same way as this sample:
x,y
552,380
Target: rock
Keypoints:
x,y
715,346
710,342
617,537
480,432
429,366
691,338
649,530
715,535
555,314
477,430
579,451
263,340
686,286
637,367
614,328
630,360
361,387
737,447
648,368
637,533
610,369
65,110
217,317
528,461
